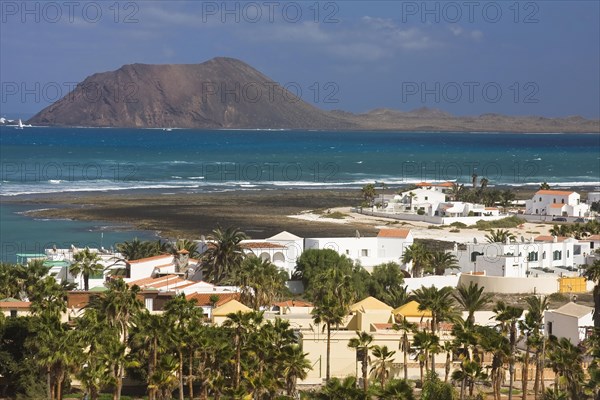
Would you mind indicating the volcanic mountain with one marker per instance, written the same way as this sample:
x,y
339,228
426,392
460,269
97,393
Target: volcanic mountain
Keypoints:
x,y
220,93
227,93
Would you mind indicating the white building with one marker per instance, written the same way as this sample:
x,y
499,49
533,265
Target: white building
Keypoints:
x,y
388,246
165,264
558,203
533,257
282,249
431,203
60,260
572,321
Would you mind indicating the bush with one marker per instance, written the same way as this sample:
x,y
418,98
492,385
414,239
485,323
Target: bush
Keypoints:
x,y
454,230
557,297
508,222
334,215
458,224
434,227
421,212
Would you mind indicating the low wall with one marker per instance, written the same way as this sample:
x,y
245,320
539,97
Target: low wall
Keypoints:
x,y
430,219
437,281
497,284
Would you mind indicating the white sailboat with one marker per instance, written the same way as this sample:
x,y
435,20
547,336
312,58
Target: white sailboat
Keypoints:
x,y
20,124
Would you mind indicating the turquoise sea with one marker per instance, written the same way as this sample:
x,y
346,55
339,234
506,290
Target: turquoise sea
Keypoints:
x,y
48,160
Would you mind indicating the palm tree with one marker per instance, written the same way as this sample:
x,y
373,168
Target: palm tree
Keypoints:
x,y
508,316
566,361
148,340
362,343
224,254
457,191
506,198
492,341
368,192
474,180
382,363
411,197
483,182
531,326
261,282
471,298
86,264
544,186
469,373
295,366
405,327
397,389
440,261
119,304
329,312
499,236
592,273
336,389
418,254
441,305
241,324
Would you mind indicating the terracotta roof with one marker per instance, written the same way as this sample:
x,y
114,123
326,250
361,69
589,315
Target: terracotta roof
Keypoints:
x,y
549,238
183,251
591,238
558,205
442,184
394,233
203,299
491,208
381,327
141,260
555,192
293,303
144,281
15,304
261,245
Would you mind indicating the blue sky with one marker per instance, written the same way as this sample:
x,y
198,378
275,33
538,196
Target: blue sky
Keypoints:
x,y
467,58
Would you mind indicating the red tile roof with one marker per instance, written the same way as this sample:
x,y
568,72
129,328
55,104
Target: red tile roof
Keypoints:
x,y
443,184
261,245
491,208
15,304
549,238
382,326
591,238
293,303
141,260
559,205
555,192
394,233
203,299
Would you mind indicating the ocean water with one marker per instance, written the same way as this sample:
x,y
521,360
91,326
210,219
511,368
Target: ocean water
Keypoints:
x,y
70,160
47,160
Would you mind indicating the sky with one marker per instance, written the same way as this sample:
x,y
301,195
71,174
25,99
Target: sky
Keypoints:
x,y
464,57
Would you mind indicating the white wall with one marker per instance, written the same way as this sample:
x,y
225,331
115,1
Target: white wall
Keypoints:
x,y
496,284
427,281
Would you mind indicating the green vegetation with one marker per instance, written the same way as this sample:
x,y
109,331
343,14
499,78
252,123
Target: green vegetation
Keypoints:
x,y
334,215
508,222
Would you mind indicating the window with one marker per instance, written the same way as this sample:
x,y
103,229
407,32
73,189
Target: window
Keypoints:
x,y
364,253
13,313
533,256
347,252
554,200
557,255
568,254
549,328
591,245
540,199
576,250
544,255
149,303
563,201
426,198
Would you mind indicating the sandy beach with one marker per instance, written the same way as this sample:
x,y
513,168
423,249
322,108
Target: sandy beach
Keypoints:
x,y
258,213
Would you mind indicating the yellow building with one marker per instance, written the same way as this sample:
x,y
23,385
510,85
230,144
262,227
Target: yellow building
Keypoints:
x,y
219,314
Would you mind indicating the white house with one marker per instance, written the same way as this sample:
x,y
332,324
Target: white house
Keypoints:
x,y
282,249
572,321
60,260
533,257
559,203
166,264
388,246
426,200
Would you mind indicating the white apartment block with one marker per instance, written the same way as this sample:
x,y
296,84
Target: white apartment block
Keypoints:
x,y
559,203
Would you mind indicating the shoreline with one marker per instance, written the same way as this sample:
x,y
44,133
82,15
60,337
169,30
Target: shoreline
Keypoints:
x,y
259,214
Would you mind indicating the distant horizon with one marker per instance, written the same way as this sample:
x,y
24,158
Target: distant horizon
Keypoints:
x,y
537,58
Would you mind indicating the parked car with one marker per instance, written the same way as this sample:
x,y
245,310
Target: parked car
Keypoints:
x,y
580,220
559,219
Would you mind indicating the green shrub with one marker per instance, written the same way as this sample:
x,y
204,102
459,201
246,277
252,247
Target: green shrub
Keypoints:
x,y
458,224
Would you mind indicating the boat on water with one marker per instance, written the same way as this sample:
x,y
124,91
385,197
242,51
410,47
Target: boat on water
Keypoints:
x,y
20,124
